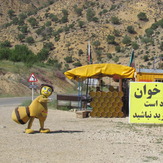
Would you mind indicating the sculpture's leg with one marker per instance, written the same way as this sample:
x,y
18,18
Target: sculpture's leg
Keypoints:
x,y
42,129
28,130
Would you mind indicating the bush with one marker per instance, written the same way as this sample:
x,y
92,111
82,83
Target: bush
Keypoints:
x,y
96,44
77,64
43,54
29,40
33,22
81,24
161,46
49,46
64,19
149,32
115,20
21,53
78,11
80,52
146,58
135,46
131,29
109,55
5,44
142,16
90,14
68,59
21,37
11,13
5,53
118,49
23,29
110,39
126,40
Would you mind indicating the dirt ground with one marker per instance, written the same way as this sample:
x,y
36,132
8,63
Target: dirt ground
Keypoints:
x,y
75,140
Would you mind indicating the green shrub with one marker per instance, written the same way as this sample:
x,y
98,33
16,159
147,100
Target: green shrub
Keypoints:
x,y
80,52
135,46
109,55
23,29
81,24
21,37
90,14
11,13
146,58
77,64
110,39
21,53
115,20
149,32
118,49
30,40
131,29
78,11
33,22
68,59
64,19
43,54
48,45
5,44
142,16
5,53
126,40
48,23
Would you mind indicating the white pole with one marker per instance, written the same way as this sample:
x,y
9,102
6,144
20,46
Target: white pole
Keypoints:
x,y
32,90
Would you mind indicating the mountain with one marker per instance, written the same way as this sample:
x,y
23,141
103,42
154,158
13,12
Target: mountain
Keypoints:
x,y
113,27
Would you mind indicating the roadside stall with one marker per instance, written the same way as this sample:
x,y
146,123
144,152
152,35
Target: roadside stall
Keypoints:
x,y
108,102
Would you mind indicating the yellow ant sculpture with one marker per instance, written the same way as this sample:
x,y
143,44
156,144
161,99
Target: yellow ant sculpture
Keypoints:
x,y
37,109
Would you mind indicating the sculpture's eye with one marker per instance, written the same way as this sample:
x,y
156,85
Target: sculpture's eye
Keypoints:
x,y
44,88
49,90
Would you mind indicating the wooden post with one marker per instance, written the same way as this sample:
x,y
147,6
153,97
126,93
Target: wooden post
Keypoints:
x,y
120,85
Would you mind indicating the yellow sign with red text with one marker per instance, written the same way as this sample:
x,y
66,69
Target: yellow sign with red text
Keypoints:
x,y
146,102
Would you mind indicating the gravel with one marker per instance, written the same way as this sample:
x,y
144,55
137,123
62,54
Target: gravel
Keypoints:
x,y
75,140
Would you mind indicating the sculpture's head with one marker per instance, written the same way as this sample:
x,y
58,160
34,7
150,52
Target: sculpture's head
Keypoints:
x,y
46,90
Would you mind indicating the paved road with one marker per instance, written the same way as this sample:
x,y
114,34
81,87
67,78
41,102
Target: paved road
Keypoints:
x,y
15,100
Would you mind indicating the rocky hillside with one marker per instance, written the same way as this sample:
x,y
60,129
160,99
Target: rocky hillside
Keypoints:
x,y
113,28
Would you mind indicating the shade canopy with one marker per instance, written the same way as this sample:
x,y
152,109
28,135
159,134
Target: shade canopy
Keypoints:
x,y
100,70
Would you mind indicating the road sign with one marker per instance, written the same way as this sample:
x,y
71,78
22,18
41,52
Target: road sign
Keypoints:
x,y
32,78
